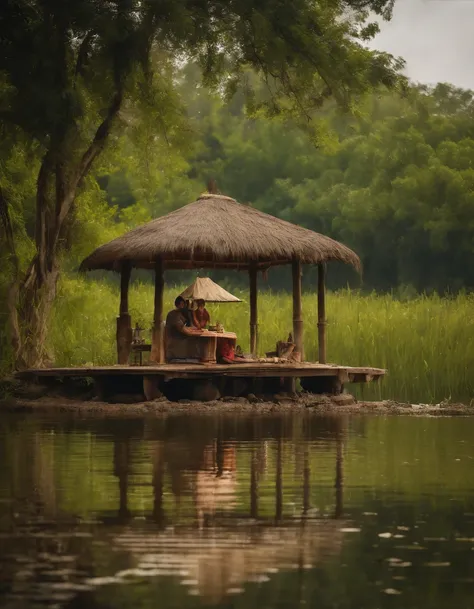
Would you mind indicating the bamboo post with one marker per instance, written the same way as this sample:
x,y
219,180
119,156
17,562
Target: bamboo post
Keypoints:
x,y
321,313
253,310
124,322
297,308
157,347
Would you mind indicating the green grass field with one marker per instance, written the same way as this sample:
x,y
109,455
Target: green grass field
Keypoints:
x,y
426,343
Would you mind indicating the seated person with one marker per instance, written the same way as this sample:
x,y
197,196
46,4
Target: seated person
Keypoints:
x,y
181,341
201,315
189,314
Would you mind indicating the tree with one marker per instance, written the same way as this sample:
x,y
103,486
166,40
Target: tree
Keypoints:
x,y
397,186
71,70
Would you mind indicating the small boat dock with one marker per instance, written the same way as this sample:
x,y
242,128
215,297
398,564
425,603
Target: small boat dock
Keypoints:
x,y
155,380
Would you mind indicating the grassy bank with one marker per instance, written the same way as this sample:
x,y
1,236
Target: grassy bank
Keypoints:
x,y
426,343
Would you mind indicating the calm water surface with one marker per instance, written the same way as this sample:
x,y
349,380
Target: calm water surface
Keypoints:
x,y
196,511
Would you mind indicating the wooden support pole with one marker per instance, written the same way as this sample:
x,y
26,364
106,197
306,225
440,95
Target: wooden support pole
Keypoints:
x,y
297,308
157,346
253,310
322,313
124,322
125,274
151,387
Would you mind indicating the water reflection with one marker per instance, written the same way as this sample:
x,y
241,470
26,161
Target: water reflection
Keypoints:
x,y
112,513
205,469
220,562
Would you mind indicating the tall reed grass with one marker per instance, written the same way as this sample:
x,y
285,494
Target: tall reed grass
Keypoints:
x,y
427,344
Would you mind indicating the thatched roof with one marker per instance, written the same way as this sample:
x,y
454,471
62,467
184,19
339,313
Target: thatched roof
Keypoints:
x,y
217,232
205,288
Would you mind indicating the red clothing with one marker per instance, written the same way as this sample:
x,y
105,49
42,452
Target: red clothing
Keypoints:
x,y
227,349
202,317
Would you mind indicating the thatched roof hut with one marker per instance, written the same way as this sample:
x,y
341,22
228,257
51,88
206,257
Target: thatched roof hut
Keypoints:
x,y
218,232
203,288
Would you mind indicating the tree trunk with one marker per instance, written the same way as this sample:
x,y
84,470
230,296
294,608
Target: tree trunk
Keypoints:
x,y
37,291
35,298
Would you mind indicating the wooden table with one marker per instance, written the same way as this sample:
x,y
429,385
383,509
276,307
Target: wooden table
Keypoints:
x,y
209,354
138,349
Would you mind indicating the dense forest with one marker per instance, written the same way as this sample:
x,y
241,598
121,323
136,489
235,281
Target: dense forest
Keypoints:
x,y
395,181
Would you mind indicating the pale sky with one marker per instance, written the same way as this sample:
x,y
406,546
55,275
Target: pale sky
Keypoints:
x,y
435,37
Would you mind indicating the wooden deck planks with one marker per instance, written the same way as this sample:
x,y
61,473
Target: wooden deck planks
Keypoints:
x,y
345,373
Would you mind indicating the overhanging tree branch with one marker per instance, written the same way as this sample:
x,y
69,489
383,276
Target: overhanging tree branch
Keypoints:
x,y
100,138
92,152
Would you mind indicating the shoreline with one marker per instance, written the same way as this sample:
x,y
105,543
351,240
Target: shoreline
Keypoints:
x,y
344,404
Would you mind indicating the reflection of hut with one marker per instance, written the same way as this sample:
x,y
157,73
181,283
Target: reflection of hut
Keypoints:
x,y
221,562
215,484
218,232
222,557
185,448
203,288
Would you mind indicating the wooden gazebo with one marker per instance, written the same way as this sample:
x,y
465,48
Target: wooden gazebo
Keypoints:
x,y
217,232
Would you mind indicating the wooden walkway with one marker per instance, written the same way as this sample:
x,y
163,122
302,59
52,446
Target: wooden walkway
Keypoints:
x,y
345,374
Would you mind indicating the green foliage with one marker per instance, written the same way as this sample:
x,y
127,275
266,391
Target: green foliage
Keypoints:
x,y
394,181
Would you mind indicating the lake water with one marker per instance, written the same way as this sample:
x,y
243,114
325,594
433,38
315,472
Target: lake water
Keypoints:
x,y
237,511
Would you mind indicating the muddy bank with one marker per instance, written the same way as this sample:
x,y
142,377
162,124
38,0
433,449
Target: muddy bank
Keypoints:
x,y
316,404
78,398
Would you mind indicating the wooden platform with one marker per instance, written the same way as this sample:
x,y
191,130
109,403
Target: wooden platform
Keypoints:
x,y
346,374
205,382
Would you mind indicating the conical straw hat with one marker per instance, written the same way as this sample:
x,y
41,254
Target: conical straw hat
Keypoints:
x,y
205,288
